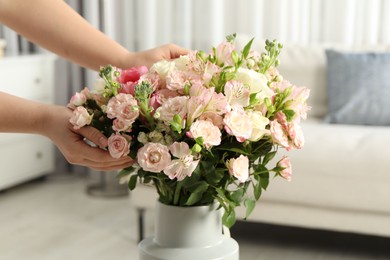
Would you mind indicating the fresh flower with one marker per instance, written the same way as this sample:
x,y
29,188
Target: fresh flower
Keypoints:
x,y
239,168
184,165
285,164
118,146
202,128
80,117
153,157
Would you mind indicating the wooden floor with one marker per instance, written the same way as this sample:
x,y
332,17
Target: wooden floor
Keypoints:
x,y
55,219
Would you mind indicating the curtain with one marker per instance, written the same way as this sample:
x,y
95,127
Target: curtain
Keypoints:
x,y
199,24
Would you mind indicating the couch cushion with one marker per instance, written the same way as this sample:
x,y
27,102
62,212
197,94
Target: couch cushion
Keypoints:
x,y
358,87
341,167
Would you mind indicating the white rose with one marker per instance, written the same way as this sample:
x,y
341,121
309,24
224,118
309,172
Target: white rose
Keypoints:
x,y
257,82
99,85
162,67
259,122
182,62
238,123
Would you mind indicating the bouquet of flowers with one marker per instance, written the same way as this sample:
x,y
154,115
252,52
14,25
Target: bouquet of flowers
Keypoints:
x,y
201,128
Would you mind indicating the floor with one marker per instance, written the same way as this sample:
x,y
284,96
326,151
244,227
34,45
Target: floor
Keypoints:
x,y
55,219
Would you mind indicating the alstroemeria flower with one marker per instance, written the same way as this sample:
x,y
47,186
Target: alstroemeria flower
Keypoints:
x,y
184,165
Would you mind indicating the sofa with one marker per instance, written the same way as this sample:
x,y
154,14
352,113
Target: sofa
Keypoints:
x,y
341,178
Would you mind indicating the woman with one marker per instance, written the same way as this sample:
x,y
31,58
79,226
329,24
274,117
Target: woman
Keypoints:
x,y
57,27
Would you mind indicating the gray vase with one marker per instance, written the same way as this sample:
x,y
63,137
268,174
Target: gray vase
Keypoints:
x,y
188,233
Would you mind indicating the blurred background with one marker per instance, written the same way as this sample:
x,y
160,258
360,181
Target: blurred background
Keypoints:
x,y
140,25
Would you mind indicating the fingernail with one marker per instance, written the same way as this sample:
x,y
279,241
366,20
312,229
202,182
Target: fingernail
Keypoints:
x,y
103,141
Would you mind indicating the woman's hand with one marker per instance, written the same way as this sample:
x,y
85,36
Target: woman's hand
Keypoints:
x,y
149,57
72,143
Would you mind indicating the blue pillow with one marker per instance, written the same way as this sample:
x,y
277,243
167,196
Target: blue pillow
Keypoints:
x,y
358,88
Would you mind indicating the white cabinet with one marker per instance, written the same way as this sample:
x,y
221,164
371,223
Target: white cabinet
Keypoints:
x,y
22,156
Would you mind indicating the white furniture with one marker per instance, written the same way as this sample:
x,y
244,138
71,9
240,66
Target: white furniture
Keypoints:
x,y
341,178
24,157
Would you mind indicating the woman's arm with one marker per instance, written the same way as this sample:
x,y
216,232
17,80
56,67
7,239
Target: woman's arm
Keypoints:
x,y
25,116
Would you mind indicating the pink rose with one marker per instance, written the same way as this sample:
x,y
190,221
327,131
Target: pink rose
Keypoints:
x,y
76,100
129,78
285,163
80,117
239,168
119,125
176,80
239,124
153,157
118,146
173,106
124,107
210,133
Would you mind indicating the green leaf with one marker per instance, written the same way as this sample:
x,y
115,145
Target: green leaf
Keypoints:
x,y
268,157
199,187
249,205
177,193
289,114
133,182
194,198
229,218
257,188
237,195
125,171
264,181
247,48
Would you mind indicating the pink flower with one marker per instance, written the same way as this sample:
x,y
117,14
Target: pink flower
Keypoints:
x,y
214,118
173,106
77,99
153,157
80,117
224,53
184,165
119,125
124,107
236,93
296,135
129,78
239,168
210,133
176,80
118,146
239,124
286,164
210,70
278,134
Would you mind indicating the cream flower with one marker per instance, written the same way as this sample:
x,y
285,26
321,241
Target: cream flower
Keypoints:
x,y
153,157
239,124
210,133
256,82
239,168
236,93
184,165
80,117
259,122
